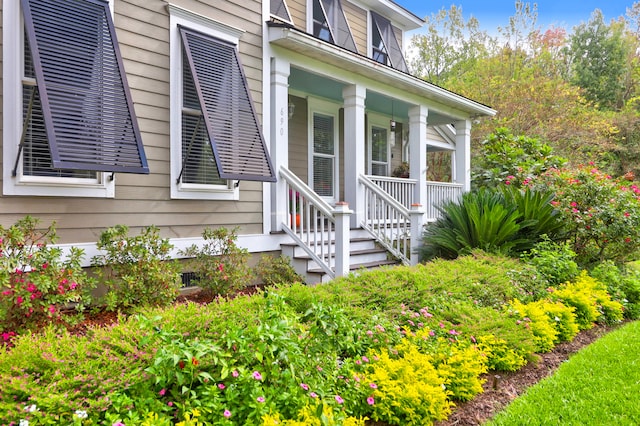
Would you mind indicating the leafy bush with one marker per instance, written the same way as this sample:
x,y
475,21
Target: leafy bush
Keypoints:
x,y
601,214
220,265
500,356
533,315
277,270
512,160
136,270
590,300
623,285
554,261
502,221
36,283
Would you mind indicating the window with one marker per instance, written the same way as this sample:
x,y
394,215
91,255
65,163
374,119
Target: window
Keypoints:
x,y
280,10
384,45
330,24
70,114
216,139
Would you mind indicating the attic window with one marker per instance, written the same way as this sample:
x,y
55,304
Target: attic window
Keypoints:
x,y
386,48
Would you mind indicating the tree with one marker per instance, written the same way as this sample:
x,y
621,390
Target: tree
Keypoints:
x,y
599,62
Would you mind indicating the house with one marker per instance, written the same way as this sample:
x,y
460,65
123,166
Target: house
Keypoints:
x,y
284,118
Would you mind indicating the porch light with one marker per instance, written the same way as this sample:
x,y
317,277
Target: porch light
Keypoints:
x,y
392,125
292,108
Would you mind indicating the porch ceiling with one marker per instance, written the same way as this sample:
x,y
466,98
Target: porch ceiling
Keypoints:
x,y
327,88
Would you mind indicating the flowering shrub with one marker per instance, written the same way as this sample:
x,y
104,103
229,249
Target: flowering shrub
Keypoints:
x,y
136,269
220,265
623,285
500,357
36,284
601,214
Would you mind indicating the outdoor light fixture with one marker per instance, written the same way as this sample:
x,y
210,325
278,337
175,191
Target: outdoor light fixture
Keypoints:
x,y
292,108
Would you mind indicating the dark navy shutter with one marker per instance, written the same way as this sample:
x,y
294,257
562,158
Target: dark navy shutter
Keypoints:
x,y
231,122
391,44
86,102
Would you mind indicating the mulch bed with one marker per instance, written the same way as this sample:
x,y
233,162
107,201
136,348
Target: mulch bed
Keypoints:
x,y
499,389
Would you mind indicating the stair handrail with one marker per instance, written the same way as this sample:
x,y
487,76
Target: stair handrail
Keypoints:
x,y
311,235
376,199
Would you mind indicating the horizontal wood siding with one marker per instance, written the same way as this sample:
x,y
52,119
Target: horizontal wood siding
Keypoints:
x,y
298,11
357,19
141,200
299,139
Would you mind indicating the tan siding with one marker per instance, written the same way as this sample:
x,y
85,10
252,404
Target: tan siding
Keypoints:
x,y
357,19
433,135
298,10
142,28
299,139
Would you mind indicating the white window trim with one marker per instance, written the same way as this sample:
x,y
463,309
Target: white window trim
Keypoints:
x,y
192,20
380,122
13,63
330,109
286,6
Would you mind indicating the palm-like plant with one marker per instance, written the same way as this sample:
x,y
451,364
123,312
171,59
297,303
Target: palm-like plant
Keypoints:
x,y
503,221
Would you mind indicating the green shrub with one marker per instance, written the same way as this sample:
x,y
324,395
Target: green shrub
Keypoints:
x,y
533,316
623,285
277,270
136,270
554,261
219,264
36,284
500,356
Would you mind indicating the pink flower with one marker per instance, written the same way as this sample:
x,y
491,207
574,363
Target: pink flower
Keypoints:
x,y
313,395
162,392
170,404
221,267
373,386
227,413
260,399
31,288
235,373
7,293
19,300
52,309
257,375
118,424
627,214
370,400
72,286
365,359
573,204
221,386
304,386
339,399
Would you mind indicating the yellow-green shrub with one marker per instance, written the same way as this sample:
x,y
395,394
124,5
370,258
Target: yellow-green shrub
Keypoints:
x,y
563,319
499,356
533,315
308,416
409,390
459,363
591,301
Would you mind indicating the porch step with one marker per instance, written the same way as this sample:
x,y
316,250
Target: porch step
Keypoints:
x,y
364,254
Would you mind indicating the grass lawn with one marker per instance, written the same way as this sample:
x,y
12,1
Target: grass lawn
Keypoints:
x,y
600,385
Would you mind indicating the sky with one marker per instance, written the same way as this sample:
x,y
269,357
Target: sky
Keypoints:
x,y
494,13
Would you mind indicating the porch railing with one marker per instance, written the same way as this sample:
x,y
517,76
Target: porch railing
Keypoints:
x,y
387,220
400,189
311,222
439,193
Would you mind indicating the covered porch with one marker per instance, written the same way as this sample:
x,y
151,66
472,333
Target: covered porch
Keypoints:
x,y
342,124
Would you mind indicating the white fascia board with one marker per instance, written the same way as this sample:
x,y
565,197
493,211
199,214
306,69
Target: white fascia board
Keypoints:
x,y
311,47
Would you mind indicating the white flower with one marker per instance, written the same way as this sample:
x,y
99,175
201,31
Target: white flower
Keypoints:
x,y
81,414
30,408
24,422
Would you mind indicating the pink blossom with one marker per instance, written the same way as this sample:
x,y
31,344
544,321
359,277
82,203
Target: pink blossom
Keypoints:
x,y
627,214
365,359
52,309
304,386
339,399
7,293
162,392
19,300
573,204
370,400
221,386
118,424
260,399
227,413
170,404
313,395
235,373
257,375
373,386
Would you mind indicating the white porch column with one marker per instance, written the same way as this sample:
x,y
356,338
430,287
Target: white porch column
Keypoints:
x,y
343,250
354,150
462,170
279,151
418,152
